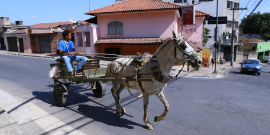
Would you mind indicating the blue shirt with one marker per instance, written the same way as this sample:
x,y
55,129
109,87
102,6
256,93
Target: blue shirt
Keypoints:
x,y
63,46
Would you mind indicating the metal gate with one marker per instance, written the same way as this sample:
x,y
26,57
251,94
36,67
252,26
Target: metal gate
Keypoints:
x,y
21,44
12,44
44,44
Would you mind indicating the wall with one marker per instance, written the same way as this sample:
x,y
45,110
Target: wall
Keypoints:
x,y
140,24
26,44
92,29
263,50
193,33
241,36
54,38
250,55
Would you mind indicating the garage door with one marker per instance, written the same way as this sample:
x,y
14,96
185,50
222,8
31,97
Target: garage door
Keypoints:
x,y
12,44
44,44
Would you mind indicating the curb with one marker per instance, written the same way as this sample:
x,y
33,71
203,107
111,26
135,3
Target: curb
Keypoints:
x,y
28,55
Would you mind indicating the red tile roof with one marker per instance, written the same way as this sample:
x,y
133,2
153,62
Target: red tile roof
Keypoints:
x,y
21,31
51,25
134,5
154,40
139,5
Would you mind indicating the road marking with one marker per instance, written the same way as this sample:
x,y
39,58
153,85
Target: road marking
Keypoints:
x,y
33,113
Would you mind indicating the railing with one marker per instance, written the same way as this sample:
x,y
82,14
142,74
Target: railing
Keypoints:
x,y
228,40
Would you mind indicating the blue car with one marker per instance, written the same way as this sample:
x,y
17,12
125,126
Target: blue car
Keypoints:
x,y
251,66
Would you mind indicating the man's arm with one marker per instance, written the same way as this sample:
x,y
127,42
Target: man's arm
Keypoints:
x,y
64,54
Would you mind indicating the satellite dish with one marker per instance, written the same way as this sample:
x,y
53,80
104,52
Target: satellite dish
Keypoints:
x,y
73,20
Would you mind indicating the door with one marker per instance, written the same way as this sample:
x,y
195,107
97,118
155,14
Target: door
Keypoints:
x,y
12,44
44,44
21,44
112,51
227,53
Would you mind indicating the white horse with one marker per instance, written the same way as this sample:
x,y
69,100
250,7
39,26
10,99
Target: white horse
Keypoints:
x,y
173,49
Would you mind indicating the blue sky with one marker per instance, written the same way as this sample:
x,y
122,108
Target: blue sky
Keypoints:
x,y
45,11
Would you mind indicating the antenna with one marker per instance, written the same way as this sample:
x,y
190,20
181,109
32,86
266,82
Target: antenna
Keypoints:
x,y
73,20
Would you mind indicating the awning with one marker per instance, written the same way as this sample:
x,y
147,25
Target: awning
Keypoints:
x,y
229,44
263,50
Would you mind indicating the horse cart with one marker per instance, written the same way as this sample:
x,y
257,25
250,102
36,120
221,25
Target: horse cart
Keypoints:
x,y
92,74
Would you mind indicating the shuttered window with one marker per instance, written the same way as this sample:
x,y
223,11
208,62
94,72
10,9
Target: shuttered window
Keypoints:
x,y
115,28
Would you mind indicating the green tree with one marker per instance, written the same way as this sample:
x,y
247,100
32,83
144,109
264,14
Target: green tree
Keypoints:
x,y
257,23
205,33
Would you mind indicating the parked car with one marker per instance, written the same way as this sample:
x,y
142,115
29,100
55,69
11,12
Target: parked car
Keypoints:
x,y
251,66
266,59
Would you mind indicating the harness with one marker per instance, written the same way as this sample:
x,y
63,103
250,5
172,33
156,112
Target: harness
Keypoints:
x,y
155,67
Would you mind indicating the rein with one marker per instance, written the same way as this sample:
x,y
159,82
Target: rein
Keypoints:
x,y
184,53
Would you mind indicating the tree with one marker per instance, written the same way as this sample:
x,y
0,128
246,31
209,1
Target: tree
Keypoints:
x,y
205,33
257,23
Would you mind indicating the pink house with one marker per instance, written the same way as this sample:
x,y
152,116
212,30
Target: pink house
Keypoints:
x,y
139,26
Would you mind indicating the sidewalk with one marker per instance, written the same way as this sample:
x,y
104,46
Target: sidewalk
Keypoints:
x,y
203,72
8,126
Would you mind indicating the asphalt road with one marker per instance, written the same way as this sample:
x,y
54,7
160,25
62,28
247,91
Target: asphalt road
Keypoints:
x,y
235,104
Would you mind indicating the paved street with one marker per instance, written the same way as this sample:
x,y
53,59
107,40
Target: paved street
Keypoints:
x,y
235,104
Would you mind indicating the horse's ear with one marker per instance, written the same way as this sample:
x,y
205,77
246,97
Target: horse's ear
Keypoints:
x,y
174,35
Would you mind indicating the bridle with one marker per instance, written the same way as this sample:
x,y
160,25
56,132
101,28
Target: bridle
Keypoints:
x,y
190,56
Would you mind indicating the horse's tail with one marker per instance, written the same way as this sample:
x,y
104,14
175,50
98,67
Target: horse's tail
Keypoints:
x,y
108,71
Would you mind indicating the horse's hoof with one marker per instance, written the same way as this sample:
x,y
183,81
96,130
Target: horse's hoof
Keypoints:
x,y
123,110
118,113
156,119
149,127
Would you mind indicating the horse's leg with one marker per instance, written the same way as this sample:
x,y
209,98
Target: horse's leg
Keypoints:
x,y
162,98
145,106
122,86
115,88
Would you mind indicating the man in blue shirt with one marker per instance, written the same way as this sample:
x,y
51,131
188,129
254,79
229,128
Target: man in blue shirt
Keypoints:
x,y
67,52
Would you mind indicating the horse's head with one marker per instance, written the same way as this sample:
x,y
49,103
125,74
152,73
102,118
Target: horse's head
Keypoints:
x,y
182,47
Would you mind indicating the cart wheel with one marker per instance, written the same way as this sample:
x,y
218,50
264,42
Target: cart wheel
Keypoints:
x,y
60,94
100,89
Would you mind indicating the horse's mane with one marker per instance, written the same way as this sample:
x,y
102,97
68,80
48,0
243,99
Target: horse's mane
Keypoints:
x,y
163,45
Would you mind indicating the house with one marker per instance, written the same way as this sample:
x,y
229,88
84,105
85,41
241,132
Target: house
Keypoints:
x,y
135,26
39,38
9,42
225,30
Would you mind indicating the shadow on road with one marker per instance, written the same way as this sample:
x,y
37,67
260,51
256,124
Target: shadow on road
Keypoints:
x,y
72,99
235,72
106,116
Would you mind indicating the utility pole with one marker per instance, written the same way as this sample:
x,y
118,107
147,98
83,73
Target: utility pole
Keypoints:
x,y
232,36
216,40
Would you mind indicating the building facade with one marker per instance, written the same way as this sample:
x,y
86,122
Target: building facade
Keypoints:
x,y
225,30
141,26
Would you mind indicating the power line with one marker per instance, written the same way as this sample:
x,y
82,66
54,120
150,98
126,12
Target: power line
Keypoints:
x,y
262,4
250,7
256,7
16,16
242,10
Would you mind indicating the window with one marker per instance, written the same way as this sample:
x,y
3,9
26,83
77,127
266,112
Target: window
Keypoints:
x,y
87,39
115,28
229,4
235,24
79,37
229,24
236,5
